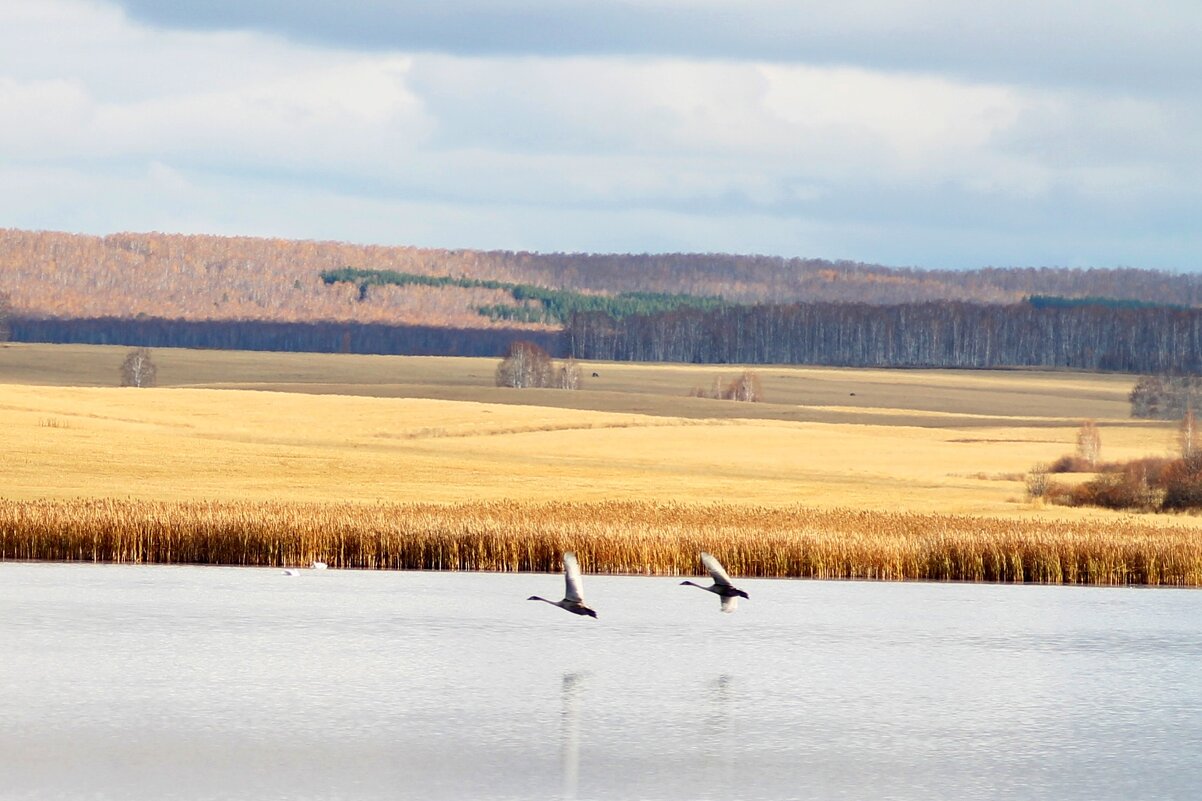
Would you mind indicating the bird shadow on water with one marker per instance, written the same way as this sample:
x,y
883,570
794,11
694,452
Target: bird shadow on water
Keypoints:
x,y
570,695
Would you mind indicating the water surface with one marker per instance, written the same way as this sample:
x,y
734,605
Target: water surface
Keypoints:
x,y
139,682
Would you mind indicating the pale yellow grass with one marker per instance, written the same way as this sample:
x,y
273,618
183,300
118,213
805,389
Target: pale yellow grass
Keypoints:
x,y
256,458
179,444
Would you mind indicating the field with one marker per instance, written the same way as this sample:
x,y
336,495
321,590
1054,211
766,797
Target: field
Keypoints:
x,y
296,435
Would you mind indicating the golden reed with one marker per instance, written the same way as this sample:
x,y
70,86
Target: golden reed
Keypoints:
x,y
617,537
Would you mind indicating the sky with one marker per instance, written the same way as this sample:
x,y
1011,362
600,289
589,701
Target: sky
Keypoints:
x,y
936,133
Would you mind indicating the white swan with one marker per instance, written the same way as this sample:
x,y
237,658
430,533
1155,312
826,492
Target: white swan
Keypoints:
x,y
291,571
573,600
318,565
721,587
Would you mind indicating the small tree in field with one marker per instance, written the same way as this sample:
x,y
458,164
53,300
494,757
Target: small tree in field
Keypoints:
x,y
1188,442
1089,443
1037,482
525,365
745,388
569,375
138,369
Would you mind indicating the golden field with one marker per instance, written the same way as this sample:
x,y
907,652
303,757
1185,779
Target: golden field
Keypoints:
x,y
318,432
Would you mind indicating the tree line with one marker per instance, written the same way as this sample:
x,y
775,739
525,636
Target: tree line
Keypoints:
x,y
530,304
409,340
1155,339
1150,340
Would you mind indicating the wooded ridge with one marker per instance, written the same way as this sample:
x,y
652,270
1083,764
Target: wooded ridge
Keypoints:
x,y
269,294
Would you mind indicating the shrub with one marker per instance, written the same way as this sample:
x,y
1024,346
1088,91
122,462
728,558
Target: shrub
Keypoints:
x,y
1182,486
1070,463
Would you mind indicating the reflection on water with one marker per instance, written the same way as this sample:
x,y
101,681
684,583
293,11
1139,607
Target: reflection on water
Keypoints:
x,y
718,750
573,685
132,682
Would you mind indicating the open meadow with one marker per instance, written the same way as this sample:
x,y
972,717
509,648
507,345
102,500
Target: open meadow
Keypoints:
x,y
344,457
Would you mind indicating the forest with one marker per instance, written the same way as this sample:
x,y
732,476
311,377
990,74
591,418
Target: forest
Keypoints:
x,y
531,304
411,340
185,277
1149,339
269,294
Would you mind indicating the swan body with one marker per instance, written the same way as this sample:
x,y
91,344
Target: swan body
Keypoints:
x,y
318,566
721,587
291,571
573,599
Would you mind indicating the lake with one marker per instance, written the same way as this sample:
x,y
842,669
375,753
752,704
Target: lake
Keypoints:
x,y
148,682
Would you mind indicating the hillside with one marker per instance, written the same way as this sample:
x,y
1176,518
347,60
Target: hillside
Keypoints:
x,y
177,277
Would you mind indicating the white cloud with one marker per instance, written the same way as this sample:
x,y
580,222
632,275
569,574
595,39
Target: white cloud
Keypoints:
x,y
127,126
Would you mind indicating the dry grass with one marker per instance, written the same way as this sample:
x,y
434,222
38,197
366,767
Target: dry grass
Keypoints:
x,y
927,398
422,463
207,444
640,538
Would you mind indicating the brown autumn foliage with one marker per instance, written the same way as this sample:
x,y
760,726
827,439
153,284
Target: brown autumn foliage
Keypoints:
x,y
1150,484
172,276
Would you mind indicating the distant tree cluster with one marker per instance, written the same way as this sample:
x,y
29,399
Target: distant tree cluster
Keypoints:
x,y
526,365
746,387
1165,397
530,304
1144,339
1151,484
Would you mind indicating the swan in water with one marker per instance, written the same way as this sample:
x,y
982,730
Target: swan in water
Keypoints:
x,y
291,571
721,587
573,599
318,565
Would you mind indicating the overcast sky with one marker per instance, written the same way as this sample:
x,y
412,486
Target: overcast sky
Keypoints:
x,y
941,133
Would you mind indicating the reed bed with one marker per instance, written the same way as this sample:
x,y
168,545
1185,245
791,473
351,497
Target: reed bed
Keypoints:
x,y
616,537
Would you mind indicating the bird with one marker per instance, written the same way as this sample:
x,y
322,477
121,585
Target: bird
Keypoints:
x,y
291,571
318,565
721,587
573,599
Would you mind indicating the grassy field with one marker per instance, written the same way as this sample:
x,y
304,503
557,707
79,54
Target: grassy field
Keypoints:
x,y
268,429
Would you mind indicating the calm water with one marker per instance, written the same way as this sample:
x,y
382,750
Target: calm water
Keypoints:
x,y
122,682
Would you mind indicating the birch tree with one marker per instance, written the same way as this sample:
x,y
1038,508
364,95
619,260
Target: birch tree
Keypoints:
x,y
1089,443
138,369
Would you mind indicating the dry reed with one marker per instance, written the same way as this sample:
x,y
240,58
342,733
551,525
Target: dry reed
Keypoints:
x,y
616,537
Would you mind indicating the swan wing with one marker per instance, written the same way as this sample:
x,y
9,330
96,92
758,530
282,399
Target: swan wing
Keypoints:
x,y
573,591
715,569
730,603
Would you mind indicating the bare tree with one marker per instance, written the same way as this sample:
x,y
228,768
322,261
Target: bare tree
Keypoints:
x,y
569,375
745,388
5,311
525,365
1187,439
1089,443
138,369
1037,481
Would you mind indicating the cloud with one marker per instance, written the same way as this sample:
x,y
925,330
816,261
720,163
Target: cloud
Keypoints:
x,y
1148,47
108,122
